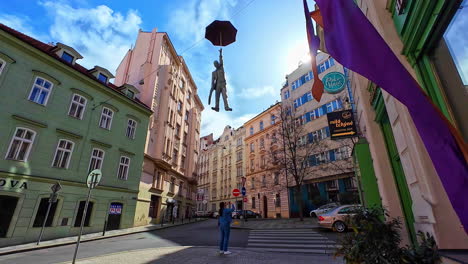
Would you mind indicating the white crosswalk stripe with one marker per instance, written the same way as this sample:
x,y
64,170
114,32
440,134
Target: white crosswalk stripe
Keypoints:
x,y
292,241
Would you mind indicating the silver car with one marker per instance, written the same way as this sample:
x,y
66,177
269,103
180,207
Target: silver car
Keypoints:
x,y
323,209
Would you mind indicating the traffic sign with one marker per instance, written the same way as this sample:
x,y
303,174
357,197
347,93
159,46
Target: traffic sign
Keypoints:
x,y
235,192
205,201
56,187
245,199
244,191
94,178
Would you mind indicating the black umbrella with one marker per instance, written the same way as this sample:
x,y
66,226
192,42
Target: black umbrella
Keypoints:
x,y
221,33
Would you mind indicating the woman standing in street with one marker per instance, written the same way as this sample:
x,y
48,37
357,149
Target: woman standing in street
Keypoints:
x,y
224,223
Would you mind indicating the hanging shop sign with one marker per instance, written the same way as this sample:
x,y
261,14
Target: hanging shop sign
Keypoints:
x,y
341,124
334,82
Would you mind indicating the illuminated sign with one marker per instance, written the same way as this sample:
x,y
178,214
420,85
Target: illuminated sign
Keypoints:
x,y
341,124
334,82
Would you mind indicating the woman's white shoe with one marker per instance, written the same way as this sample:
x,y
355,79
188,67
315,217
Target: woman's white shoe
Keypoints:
x,y
227,252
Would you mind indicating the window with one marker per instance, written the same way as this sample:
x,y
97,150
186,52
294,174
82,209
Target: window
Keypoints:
x,y
153,212
131,127
286,94
252,182
2,65
263,180
102,78
187,114
179,106
273,119
341,153
261,125
97,157
122,174
184,140
262,143
63,154
79,215
239,155
251,130
20,145
239,171
252,147
181,84
239,142
331,184
41,213
175,153
253,202
182,162
177,131
349,183
276,178
67,57
277,200
130,94
172,185
77,106
40,91
106,118
189,96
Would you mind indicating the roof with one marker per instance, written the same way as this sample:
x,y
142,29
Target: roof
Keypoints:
x,y
264,111
49,50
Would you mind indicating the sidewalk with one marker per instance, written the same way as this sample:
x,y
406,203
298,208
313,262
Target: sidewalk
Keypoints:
x,y
89,237
203,255
275,223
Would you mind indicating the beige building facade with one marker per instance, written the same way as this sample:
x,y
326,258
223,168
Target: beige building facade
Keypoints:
x,y
400,167
168,185
267,191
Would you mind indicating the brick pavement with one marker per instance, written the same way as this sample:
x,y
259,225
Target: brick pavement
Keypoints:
x,y
204,255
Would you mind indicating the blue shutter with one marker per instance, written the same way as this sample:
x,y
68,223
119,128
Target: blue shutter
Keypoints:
x,y
340,105
311,75
324,109
332,62
327,130
312,160
307,117
332,155
310,138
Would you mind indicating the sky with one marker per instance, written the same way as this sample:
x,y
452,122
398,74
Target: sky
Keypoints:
x,y
271,40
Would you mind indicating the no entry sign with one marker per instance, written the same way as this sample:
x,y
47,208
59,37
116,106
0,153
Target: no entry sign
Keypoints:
x,y
236,192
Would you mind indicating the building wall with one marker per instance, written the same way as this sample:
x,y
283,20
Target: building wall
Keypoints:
x,y
260,170
431,208
31,180
172,145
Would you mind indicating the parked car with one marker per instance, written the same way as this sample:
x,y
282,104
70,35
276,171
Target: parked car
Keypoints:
x,y
239,214
200,213
338,219
323,209
214,214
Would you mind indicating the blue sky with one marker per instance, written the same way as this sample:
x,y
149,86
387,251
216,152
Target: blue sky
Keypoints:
x,y
271,40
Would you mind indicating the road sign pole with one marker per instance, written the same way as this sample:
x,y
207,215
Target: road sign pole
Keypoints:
x,y
44,222
83,217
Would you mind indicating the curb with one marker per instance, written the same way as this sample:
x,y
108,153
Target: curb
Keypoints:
x,y
89,240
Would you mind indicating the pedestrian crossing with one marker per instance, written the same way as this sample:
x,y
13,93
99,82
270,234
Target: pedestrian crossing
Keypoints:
x,y
291,241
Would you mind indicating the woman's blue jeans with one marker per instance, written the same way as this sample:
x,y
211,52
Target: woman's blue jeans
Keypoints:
x,y
224,229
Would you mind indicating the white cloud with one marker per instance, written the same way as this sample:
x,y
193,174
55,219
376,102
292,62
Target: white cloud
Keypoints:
x,y
189,22
215,122
259,92
21,24
101,35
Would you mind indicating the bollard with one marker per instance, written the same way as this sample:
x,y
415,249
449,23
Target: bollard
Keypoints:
x,y
104,229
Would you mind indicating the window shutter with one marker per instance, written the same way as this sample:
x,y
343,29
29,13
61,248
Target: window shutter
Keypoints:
x,y
324,109
310,137
332,155
327,131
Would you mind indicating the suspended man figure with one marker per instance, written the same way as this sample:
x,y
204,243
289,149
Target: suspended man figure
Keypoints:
x,y
218,84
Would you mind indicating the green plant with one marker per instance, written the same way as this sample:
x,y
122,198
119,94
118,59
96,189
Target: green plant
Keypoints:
x,y
373,240
425,252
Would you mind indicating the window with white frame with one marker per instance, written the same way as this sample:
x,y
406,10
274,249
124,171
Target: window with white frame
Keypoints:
x,y
2,66
106,118
97,158
342,153
252,147
124,165
77,106
251,130
20,145
63,154
40,91
261,125
131,128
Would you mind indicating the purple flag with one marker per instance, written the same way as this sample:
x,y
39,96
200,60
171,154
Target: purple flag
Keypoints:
x,y
354,42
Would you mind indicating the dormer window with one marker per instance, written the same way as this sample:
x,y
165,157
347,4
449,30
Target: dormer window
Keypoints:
x,y
67,57
103,78
130,94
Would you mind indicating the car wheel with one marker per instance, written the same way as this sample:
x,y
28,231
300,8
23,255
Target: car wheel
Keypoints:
x,y
339,226
312,214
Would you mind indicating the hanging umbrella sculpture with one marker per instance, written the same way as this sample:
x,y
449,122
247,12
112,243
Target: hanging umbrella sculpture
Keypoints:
x,y
220,33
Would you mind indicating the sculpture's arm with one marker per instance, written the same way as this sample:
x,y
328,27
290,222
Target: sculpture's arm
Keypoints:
x,y
221,57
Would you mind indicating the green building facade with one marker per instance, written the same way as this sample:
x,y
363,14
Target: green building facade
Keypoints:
x,y
59,121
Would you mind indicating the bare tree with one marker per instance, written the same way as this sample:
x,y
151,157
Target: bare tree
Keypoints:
x,y
299,153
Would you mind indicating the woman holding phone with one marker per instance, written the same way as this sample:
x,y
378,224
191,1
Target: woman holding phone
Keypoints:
x,y
224,223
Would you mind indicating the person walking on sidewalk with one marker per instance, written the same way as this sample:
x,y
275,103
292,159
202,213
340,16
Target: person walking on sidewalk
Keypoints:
x,y
224,223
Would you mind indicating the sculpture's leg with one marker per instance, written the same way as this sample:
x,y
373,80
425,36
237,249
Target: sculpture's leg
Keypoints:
x,y
225,99
216,108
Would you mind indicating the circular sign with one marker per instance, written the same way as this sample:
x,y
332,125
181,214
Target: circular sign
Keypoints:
x,y
235,192
334,82
205,201
94,178
244,191
245,199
